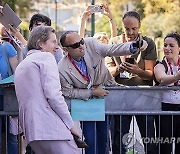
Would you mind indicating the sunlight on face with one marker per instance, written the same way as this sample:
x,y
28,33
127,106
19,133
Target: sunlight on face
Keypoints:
x,y
76,53
171,48
51,44
101,37
131,28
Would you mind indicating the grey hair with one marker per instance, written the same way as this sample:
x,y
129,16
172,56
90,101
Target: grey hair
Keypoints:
x,y
37,35
96,35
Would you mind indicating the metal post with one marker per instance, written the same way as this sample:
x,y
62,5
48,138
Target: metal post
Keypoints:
x,y
92,20
159,49
56,14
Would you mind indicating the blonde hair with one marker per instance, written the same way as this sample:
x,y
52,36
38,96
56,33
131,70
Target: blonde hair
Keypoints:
x,y
96,35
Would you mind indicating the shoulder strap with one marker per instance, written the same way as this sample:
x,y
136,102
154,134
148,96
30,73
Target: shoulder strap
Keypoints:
x,y
166,69
165,65
7,60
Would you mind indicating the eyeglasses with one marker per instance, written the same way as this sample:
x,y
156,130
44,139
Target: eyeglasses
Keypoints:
x,y
76,45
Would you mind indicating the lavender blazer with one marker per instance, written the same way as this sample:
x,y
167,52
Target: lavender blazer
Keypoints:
x,y
73,84
43,113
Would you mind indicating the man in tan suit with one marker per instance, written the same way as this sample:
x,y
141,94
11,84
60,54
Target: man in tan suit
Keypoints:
x,y
83,73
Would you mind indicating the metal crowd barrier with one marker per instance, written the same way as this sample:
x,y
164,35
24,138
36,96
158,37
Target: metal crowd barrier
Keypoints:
x,y
122,100
135,100
10,108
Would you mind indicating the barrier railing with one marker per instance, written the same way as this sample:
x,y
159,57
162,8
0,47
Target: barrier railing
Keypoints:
x,y
122,100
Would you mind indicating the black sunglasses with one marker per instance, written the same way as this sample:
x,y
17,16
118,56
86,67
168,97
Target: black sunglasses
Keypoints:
x,y
76,45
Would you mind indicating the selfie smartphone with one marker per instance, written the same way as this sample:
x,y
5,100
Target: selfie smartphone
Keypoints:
x,y
140,39
96,8
129,60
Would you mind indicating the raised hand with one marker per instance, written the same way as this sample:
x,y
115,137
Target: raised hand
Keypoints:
x,y
1,10
107,12
86,14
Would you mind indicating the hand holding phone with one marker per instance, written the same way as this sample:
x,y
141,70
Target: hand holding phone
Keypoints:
x,y
96,8
11,37
129,60
140,39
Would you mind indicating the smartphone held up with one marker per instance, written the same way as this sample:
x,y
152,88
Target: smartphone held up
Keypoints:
x,y
140,39
129,60
96,8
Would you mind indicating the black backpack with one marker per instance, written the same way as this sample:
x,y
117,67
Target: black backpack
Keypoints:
x,y
166,69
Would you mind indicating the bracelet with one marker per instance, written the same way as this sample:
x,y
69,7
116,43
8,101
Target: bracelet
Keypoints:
x,y
111,19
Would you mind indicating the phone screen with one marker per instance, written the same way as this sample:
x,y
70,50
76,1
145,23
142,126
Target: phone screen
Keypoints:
x,y
140,39
96,8
130,60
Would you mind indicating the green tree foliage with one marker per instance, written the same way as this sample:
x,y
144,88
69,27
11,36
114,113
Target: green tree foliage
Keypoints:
x,y
117,7
19,6
171,23
23,7
161,6
139,7
11,3
103,25
161,17
150,25
157,25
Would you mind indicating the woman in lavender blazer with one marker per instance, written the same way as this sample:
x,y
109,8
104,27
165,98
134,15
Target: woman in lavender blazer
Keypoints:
x,y
43,113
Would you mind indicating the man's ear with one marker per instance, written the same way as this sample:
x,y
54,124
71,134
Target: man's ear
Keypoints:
x,y
65,49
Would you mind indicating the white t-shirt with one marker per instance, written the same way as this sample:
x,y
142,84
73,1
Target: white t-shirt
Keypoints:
x,y
171,96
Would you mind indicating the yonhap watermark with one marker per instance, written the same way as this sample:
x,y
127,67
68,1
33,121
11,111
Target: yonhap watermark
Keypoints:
x,y
161,140
130,140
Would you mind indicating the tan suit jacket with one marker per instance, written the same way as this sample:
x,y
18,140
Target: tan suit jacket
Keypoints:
x,y
73,84
43,113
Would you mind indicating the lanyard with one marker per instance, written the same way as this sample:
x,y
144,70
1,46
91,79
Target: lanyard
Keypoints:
x,y
86,77
171,70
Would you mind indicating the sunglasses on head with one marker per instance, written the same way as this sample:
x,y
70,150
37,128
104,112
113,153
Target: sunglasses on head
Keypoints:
x,y
76,45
